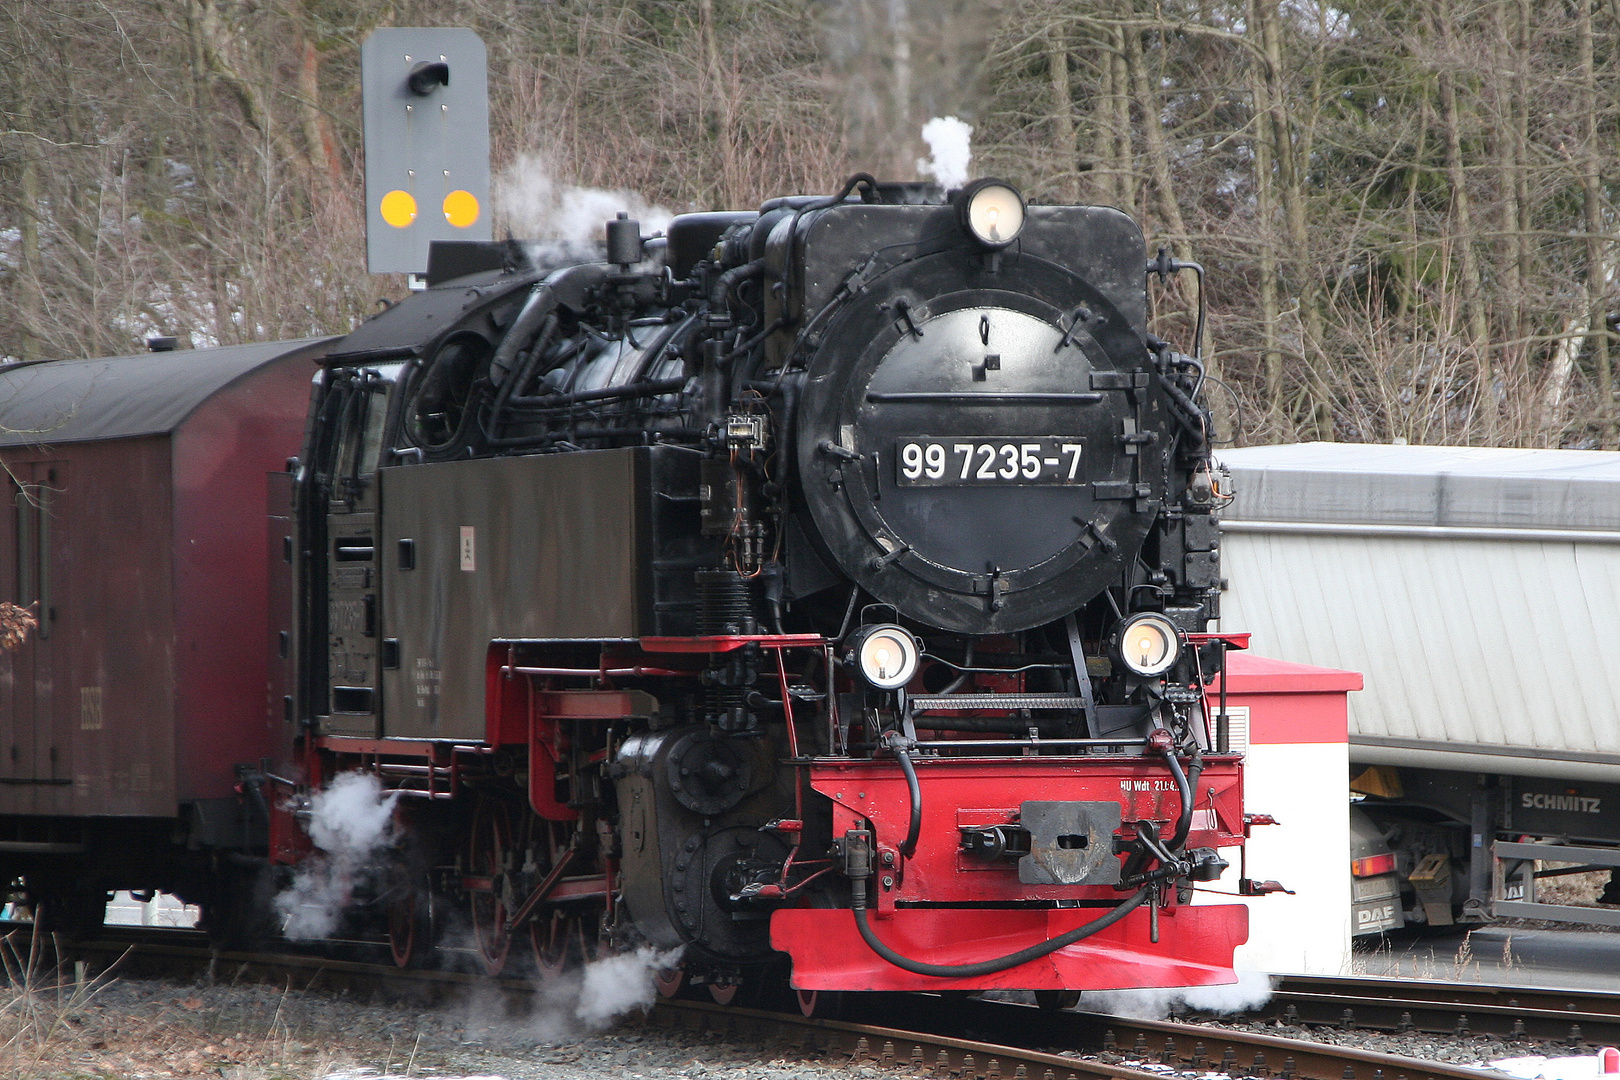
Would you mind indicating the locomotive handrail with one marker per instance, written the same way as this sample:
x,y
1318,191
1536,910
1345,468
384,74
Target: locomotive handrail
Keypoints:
x,y
728,642
621,673
1084,398
953,743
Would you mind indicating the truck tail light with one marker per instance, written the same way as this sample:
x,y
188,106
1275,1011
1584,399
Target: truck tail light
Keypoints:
x,y
1373,865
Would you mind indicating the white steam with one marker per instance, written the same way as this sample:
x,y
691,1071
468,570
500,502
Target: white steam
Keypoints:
x,y
615,985
351,819
950,149
568,222
1252,990
577,1003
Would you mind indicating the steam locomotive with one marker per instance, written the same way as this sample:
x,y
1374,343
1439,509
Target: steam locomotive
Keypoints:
x,y
827,582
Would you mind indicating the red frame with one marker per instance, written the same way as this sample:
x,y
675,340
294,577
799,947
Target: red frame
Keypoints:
x,y
1171,945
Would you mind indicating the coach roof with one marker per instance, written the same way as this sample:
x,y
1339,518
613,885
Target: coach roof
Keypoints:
x,y
68,401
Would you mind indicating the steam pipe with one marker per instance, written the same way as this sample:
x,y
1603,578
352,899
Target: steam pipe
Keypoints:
x,y
648,388
720,294
540,304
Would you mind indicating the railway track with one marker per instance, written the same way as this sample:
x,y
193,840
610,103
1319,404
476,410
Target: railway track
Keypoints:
x,y
1445,1008
944,1037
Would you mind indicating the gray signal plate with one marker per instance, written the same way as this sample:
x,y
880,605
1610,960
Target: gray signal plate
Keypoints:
x,y
427,136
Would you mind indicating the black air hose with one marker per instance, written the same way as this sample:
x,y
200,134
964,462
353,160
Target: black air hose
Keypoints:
x,y
984,967
902,752
1184,786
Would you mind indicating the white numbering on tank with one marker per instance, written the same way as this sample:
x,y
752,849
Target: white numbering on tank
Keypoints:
x,y
957,462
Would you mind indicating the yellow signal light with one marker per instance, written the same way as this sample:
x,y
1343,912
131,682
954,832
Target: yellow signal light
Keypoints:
x,y
461,208
398,208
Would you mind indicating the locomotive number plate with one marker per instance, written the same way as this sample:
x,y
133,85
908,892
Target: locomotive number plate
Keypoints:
x,y
944,461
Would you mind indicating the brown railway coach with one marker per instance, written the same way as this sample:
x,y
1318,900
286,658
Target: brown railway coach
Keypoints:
x,y
136,489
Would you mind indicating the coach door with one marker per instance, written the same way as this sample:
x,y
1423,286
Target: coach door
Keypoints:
x,y
32,677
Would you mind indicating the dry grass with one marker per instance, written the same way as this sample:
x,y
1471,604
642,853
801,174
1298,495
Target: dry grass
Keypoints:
x,y
55,1024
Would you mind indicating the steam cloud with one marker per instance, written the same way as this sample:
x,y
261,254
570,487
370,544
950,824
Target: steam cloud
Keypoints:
x,y
615,985
351,819
577,1003
950,149
1252,990
566,221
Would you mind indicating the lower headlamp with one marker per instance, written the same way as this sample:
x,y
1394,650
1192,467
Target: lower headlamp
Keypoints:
x,y
884,655
1148,644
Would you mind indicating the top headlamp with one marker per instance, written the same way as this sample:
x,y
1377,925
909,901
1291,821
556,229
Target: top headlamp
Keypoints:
x,y
992,212
1148,644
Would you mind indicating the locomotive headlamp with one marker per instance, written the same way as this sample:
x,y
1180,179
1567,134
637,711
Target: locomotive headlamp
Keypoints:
x,y
992,212
1148,643
885,655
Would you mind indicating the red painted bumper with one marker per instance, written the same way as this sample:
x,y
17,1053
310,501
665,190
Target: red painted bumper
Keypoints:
x,y
1194,948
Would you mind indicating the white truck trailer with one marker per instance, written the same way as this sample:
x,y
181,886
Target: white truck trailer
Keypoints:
x,y
1477,590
